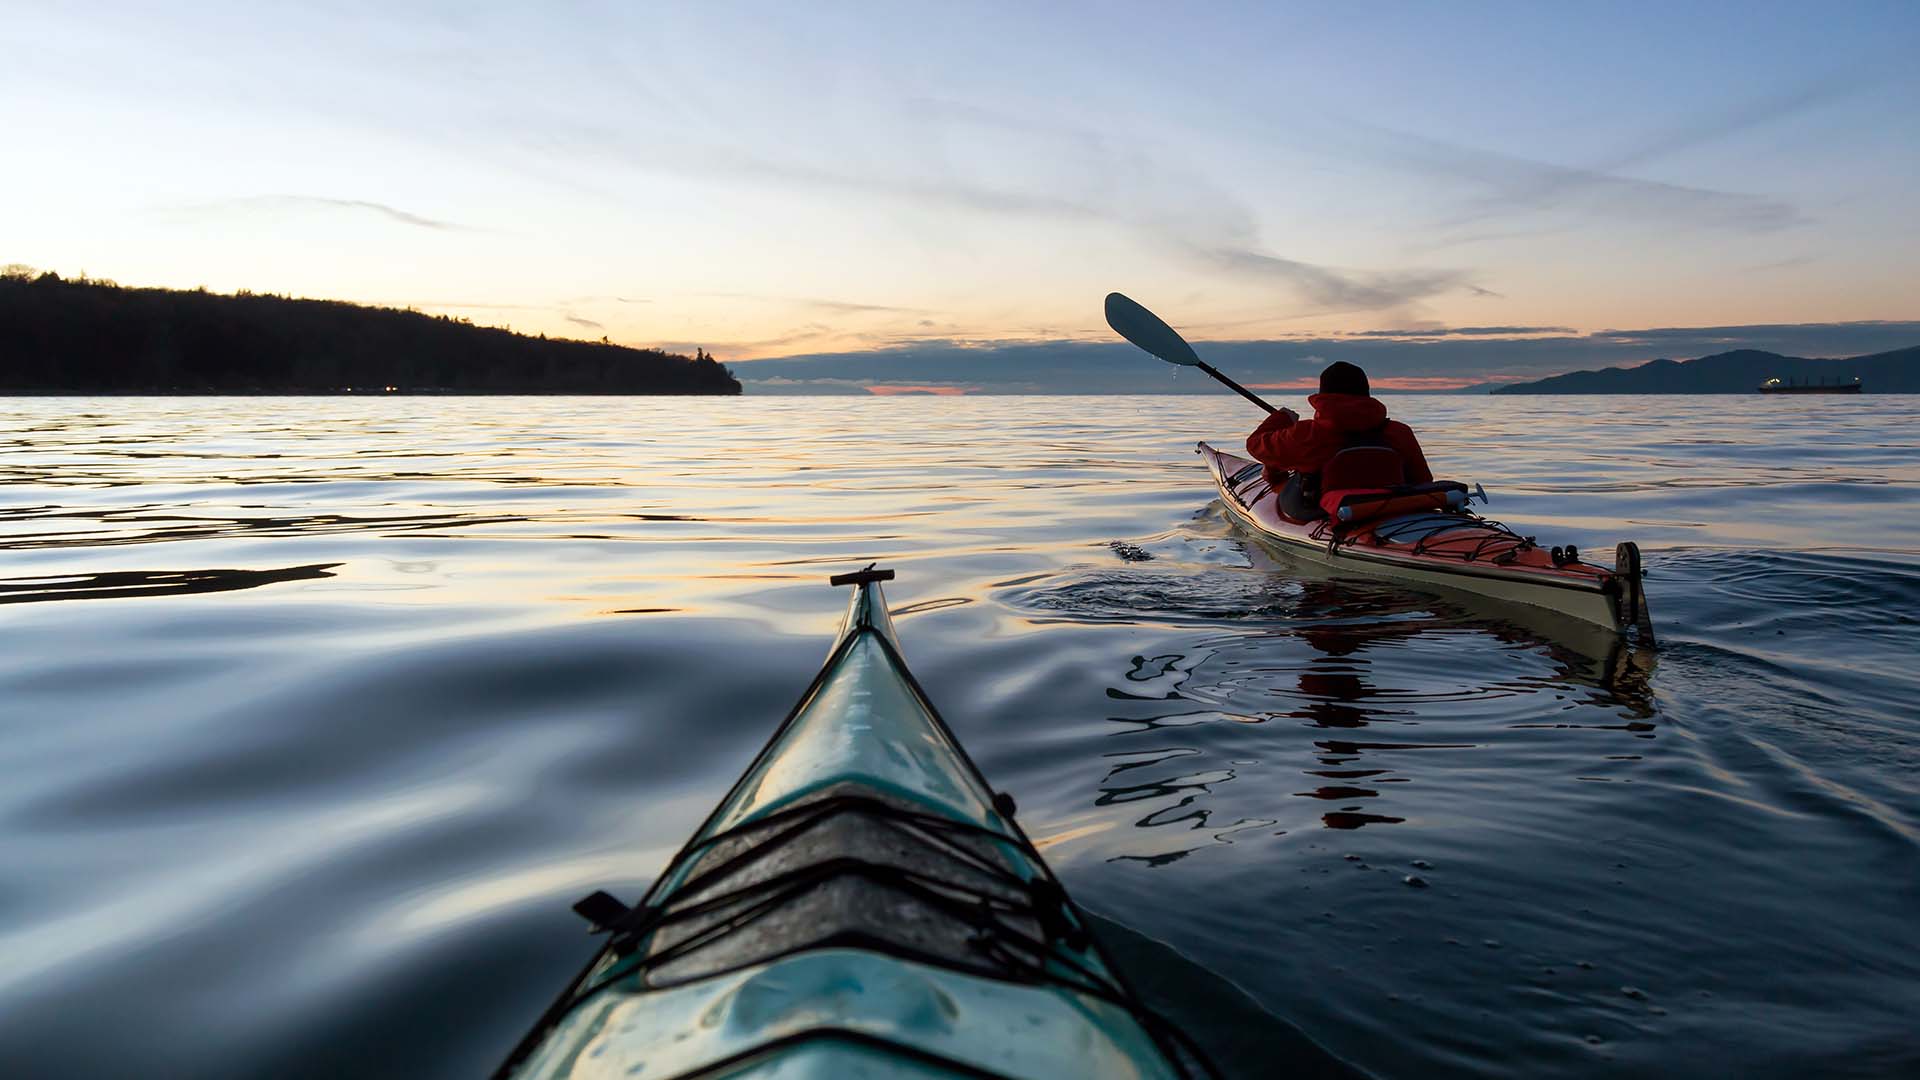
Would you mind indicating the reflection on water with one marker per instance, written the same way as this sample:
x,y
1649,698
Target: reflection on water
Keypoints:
x,y
1321,661
125,583
366,693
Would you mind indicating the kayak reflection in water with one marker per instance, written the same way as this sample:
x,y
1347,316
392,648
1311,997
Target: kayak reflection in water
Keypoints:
x,y
1348,445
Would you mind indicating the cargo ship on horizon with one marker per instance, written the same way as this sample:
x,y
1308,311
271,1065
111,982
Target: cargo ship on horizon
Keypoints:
x,y
1778,386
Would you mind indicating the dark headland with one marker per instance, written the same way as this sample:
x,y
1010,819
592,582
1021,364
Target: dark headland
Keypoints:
x,y
1738,372
87,337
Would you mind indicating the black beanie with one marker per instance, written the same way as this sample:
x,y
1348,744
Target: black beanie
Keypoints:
x,y
1344,378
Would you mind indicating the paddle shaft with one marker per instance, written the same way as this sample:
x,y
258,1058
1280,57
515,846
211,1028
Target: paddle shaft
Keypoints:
x,y
1234,386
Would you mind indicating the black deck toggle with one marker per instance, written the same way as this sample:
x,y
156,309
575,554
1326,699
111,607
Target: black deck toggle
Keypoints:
x,y
861,577
602,911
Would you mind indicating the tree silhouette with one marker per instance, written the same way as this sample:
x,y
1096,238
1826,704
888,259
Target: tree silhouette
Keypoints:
x,y
94,337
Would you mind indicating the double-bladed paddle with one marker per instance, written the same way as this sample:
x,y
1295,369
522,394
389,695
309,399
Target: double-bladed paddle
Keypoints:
x,y
1145,329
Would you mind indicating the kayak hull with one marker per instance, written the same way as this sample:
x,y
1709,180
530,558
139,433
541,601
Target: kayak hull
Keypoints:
x,y
1442,557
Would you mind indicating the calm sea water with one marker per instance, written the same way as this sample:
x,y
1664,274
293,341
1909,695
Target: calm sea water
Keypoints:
x,y
319,713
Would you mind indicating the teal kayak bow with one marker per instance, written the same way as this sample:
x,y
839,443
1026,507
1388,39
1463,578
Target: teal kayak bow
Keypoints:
x,y
861,904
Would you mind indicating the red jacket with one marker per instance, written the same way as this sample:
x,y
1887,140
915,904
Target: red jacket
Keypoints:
x,y
1285,445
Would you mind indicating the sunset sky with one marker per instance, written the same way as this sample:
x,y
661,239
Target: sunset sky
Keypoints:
x,y
774,180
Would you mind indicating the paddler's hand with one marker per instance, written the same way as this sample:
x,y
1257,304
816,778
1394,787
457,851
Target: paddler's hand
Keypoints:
x,y
1276,421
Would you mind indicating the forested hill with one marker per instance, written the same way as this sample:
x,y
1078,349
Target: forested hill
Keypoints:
x,y
1738,372
90,337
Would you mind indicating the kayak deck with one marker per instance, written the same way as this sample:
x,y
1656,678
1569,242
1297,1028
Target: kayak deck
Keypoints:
x,y
1447,549
860,904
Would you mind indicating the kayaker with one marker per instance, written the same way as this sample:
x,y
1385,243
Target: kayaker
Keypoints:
x,y
1346,415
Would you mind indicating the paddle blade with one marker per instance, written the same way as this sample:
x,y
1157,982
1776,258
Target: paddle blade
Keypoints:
x,y
1144,328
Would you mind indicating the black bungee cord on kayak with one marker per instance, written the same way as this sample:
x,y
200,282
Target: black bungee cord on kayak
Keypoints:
x,y
1440,533
1039,900
993,922
1455,534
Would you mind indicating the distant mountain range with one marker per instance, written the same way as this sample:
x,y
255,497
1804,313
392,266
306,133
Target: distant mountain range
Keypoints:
x,y
1738,372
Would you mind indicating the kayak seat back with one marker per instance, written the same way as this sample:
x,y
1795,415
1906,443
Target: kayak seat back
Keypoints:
x,y
1363,467
1357,476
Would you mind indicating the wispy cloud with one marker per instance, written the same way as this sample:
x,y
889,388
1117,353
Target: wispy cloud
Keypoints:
x,y
1516,186
578,321
1466,331
1780,264
824,307
298,204
585,300
841,307
1333,290
1742,116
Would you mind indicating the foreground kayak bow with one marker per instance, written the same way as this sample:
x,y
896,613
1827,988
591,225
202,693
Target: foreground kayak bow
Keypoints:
x,y
861,904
